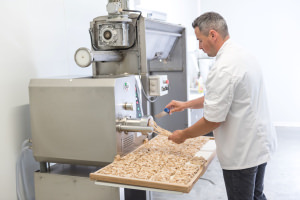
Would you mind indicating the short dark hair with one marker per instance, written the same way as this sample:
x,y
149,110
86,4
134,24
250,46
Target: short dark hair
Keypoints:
x,y
211,21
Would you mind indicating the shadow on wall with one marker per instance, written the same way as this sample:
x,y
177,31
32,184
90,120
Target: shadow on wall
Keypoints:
x,y
22,123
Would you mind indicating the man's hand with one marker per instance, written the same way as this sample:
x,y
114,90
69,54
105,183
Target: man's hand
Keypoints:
x,y
176,106
178,136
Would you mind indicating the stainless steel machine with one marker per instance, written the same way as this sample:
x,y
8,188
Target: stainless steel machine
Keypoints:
x,y
84,120
82,123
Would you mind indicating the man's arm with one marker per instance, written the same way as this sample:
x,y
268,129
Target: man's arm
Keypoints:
x,y
201,127
196,103
178,106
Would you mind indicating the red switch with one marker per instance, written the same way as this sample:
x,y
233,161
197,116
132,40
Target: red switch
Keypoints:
x,y
166,81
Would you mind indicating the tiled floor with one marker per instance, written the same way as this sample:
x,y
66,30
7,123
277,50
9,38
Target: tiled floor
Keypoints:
x,y
282,179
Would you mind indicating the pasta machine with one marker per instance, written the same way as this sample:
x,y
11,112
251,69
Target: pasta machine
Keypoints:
x,y
90,120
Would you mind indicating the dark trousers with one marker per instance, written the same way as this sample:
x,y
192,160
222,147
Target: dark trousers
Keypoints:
x,y
245,184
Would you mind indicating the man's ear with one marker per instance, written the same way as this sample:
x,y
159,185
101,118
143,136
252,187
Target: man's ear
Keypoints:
x,y
213,34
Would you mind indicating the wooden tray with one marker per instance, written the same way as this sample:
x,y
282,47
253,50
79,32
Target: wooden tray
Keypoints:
x,y
185,188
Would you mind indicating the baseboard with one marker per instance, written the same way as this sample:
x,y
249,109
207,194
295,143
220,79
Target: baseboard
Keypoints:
x,y
287,124
287,127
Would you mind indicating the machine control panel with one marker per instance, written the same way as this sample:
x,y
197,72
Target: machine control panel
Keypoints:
x,y
138,105
126,86
159,85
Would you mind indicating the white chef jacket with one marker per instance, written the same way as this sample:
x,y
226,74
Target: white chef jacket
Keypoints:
x,y
235,96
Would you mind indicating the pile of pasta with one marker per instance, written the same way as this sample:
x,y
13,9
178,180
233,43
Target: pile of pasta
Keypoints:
x,y
158,130
160,160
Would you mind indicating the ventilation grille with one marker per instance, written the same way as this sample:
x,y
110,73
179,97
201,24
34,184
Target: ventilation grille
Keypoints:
x,y
127,142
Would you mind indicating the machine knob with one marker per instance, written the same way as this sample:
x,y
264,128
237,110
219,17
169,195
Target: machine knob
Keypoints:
x,y
166,82
128,106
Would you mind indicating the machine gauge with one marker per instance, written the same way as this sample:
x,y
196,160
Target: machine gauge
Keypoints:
x,y
83,57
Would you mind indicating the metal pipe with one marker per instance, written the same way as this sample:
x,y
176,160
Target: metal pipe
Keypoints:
x,y
135,125
84,57
43,167
134,128
144,121
107,56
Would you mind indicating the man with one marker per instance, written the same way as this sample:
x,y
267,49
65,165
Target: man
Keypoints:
x,y
235,109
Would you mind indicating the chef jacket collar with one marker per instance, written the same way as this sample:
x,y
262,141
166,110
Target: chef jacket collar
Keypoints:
x,y
222,47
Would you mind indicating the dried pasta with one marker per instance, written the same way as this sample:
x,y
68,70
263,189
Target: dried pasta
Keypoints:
x,y
160,160
157,129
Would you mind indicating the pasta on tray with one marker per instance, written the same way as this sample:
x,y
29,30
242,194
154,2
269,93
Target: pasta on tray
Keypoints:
x,y
160,160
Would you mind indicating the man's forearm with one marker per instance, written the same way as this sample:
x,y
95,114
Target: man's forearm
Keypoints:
x,y
195,103
201,127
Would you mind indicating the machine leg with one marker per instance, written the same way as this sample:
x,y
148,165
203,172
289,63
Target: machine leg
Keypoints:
x,y
43,167
132,194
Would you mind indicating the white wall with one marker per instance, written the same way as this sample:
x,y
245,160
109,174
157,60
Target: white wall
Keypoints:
x,y
38,39
271,30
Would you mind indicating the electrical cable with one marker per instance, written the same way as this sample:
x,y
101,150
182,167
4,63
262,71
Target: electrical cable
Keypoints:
x,y
134,11
205,179
25,165
142,86
26,143
20,191
92,40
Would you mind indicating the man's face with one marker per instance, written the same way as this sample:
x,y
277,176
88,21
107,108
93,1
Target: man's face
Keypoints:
x,y
205,43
